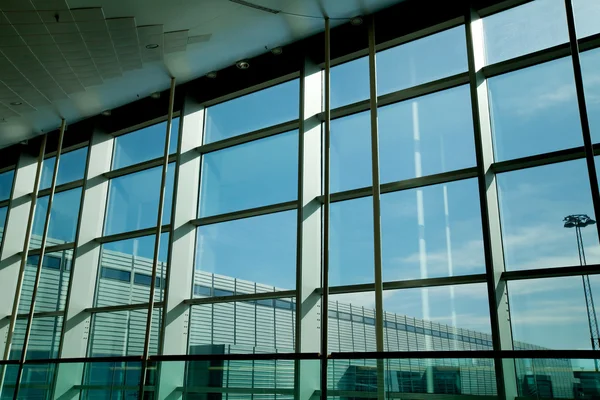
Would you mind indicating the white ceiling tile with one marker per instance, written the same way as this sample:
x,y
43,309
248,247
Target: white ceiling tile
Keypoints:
x,y
11,41
76,46
36,101
82,62
45,50
8,30
16,5
23,17
88,14
92,26
25,107
199,38
63,27
131,65
36,40
57,66
91,81
120,23
149,30
130,57
67,38
102,52
176,35
72,89
50,17
97,37
128,45
31,29
123,34
51,5
175,49
75,55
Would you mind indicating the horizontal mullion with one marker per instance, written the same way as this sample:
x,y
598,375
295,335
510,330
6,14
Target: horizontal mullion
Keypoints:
x,y
452,354
501,6
541,159
113,387
61,188
133,234
248,137
252,212
236,357
121,307
4,203
236,390
589,42
551,272
528,60
52,249
130,169
283,294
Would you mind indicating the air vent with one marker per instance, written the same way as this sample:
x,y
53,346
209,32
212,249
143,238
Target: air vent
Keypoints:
x,y
255,6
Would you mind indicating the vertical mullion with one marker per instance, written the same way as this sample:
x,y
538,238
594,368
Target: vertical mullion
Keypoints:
x,y
161,200
38,273
376,209
326,211
489,207
25,251
583,115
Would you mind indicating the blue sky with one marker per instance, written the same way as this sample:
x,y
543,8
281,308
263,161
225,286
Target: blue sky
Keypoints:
x,y
429,232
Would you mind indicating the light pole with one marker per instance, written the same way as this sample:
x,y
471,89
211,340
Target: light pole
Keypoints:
x,y
579,221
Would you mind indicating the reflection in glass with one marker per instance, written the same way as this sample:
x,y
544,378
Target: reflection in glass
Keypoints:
x,y
533,204
113,380
530,27
466,376
349,82
352,322
272,106
351,152
590,69
71,168
534,110
351,242
250,255
261,326
424,60
133,200
144,144
63,218
587,15
554,305
121,333
125,272
437,318
254,174
53,285
426,135
36,381
432,231
43,340
3,211
6,182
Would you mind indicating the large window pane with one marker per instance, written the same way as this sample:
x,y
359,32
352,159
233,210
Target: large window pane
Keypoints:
x,y
535,110
122,333
125,272
352,322
556,378
53,285
432,232
350,82
143,145
261,326
351,242
421,61
133,200
587,15
6,182
113,380
521,30
63,218
590,68
254,111
554,305
533,204
249,255
250,175
438,318
426,135
351,152
71,168
43,340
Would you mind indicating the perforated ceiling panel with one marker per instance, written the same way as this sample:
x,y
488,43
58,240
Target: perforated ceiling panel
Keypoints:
x,y
49,51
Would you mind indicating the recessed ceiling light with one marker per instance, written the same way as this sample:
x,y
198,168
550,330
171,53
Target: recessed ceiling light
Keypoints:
x,y
242,64
151,46
155,95
212,75
106,113
356,21
277,50
16,103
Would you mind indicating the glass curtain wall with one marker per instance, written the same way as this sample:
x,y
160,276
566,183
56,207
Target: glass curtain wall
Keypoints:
x,y
487,133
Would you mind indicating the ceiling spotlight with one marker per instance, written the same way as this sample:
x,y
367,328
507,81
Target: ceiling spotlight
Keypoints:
x,y
242,64
212,75
356,21
277,50
16,103
151,46
155,95
106,113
